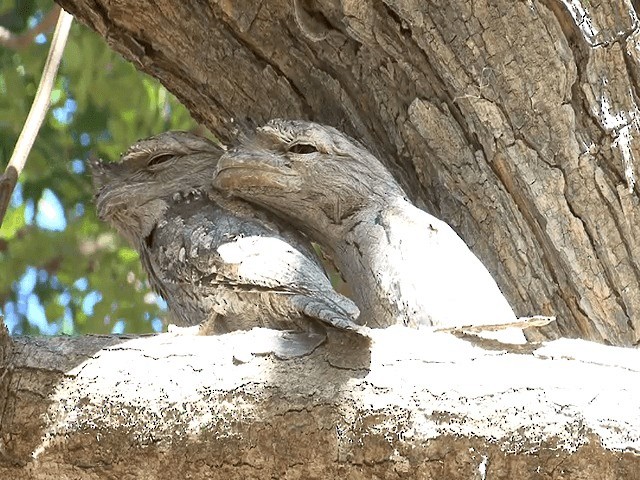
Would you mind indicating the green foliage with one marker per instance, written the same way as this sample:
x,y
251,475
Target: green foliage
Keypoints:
x,y
73,271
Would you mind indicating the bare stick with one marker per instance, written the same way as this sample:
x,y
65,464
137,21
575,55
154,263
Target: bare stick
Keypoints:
x,y
36,114
523,322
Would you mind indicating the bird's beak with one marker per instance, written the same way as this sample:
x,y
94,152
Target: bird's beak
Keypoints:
x,y
242,168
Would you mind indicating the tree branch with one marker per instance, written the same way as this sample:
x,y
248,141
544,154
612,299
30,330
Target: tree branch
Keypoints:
x,y
267,404
36,114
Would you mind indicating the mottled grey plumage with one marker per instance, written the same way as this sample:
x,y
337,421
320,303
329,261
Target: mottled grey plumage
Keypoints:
x,y
213,259
404,265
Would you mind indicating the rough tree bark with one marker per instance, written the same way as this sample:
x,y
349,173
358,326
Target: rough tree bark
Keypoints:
x,y
263,404
514,121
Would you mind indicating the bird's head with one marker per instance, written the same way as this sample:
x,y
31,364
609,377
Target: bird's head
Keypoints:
x,y
307,172
133,194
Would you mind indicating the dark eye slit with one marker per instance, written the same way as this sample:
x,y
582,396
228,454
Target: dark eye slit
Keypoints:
x,y
149,238
158,159
302,148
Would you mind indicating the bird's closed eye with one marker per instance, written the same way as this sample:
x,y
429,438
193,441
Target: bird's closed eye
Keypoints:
x,y
302,148
158,159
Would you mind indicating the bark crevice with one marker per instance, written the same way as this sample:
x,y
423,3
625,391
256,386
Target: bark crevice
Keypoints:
x,y
508,74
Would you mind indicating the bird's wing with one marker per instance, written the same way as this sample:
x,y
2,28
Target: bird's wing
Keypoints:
x,y
205,246
270,262
201,242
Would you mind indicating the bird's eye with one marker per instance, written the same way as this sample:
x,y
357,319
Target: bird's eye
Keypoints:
x,y
158,159
302,148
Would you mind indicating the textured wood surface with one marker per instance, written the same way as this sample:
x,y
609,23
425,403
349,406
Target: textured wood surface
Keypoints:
x,y
264,404
515,122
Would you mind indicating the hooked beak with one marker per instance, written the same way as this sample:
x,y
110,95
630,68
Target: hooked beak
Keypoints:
x,y
242,169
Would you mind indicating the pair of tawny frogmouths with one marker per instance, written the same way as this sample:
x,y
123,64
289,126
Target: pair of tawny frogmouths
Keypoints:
x,y
225,236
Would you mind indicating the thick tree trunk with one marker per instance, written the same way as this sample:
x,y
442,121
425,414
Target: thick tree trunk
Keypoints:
x,y
264,404
514,121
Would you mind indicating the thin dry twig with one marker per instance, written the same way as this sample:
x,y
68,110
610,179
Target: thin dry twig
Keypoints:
x,y
522,322
36,114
